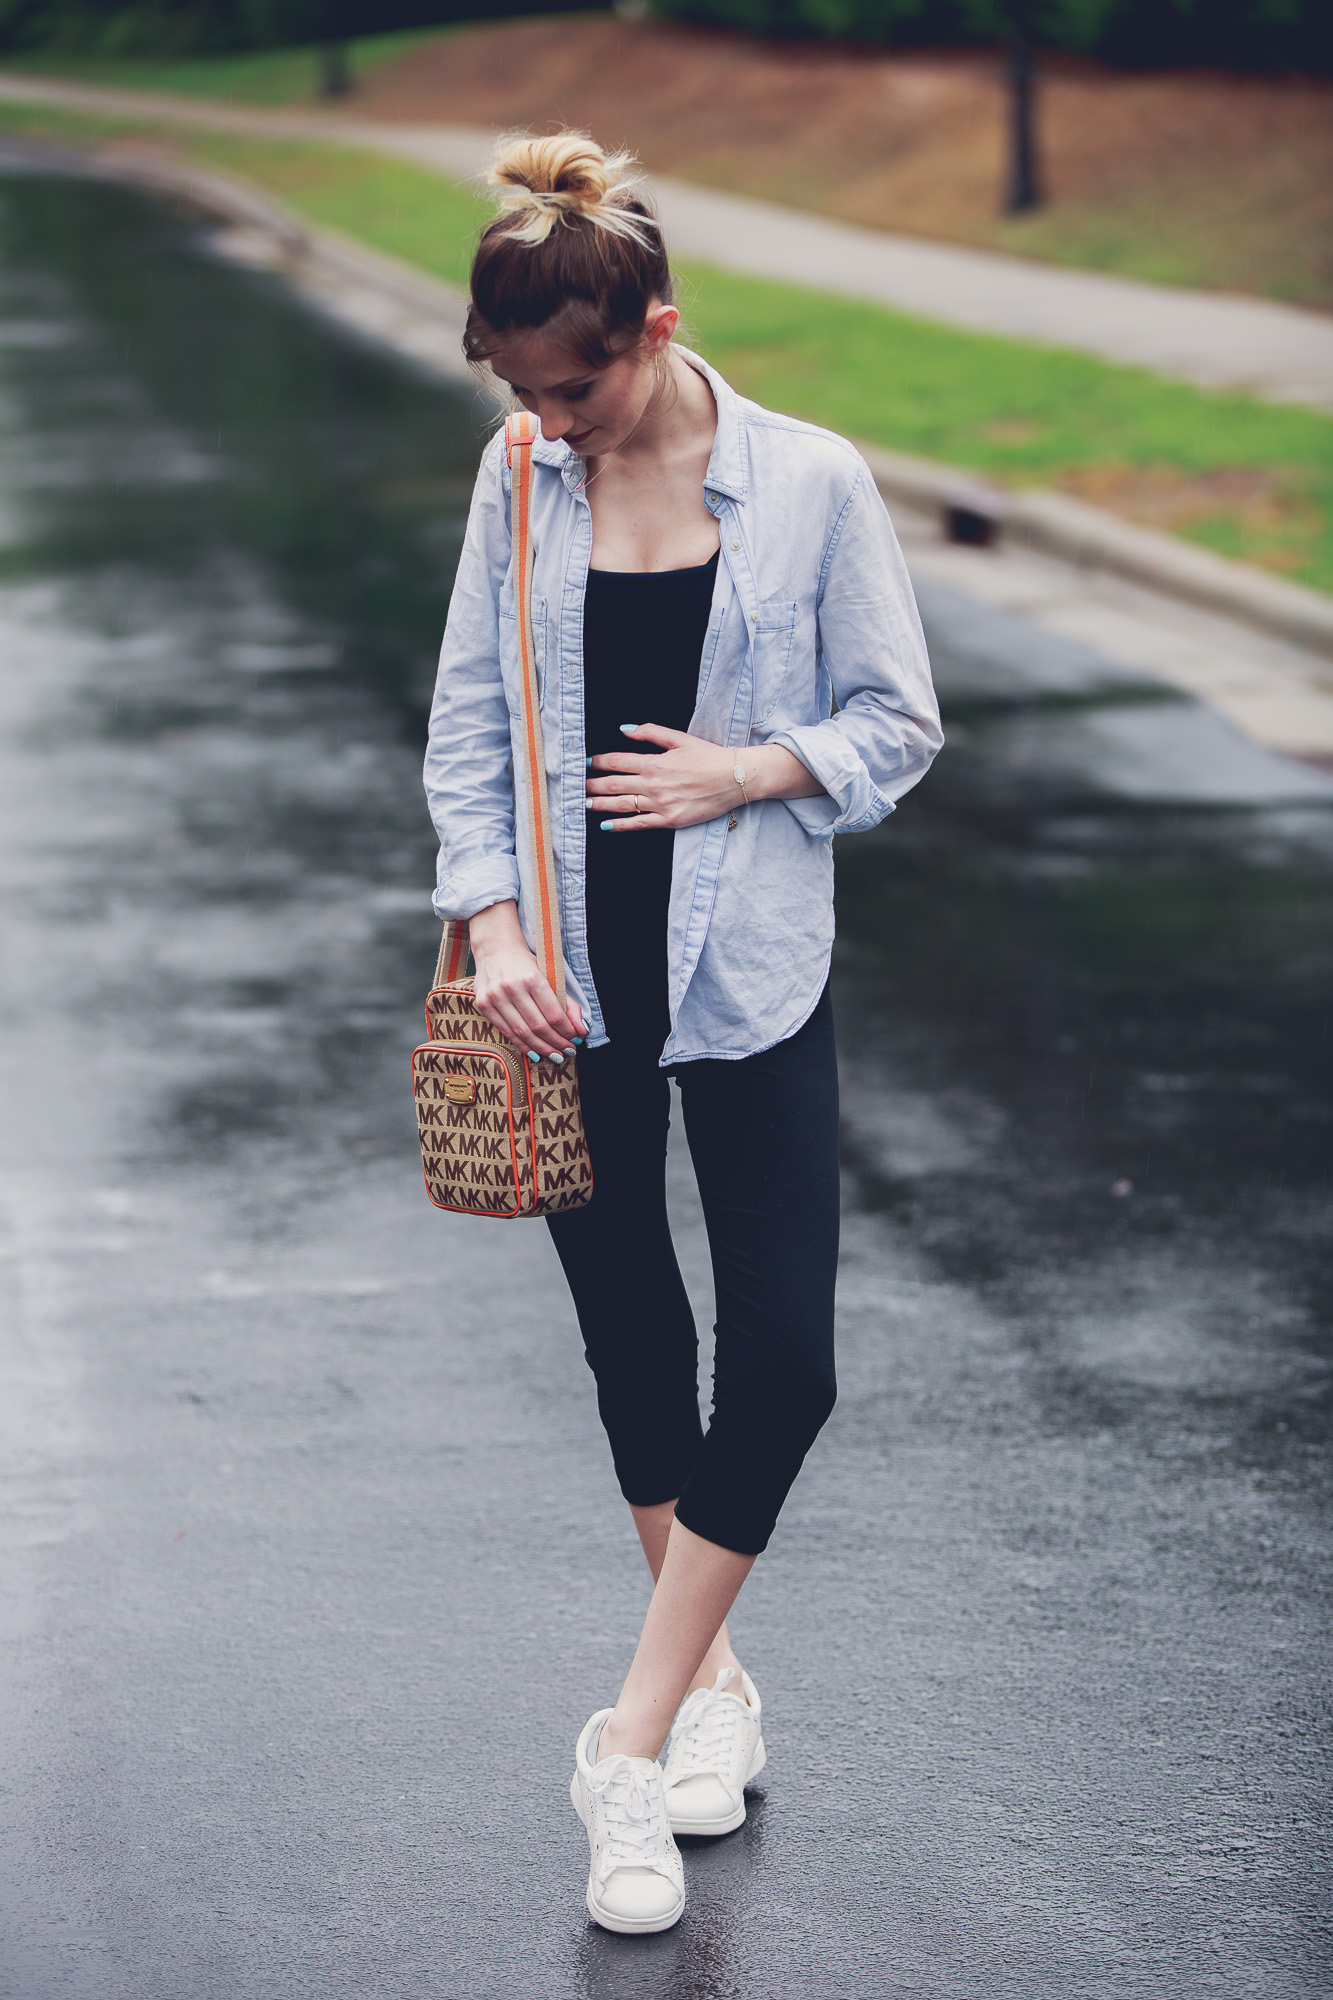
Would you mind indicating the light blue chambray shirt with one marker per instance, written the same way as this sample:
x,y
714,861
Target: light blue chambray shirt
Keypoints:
x,y
812,606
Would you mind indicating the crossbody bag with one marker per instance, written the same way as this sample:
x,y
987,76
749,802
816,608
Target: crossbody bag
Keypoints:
x,y
501,1135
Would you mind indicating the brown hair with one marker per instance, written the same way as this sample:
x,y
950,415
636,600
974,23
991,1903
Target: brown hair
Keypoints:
x,y
573,239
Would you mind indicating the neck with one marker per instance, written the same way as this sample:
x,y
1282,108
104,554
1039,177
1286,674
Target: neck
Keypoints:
x,y
680,416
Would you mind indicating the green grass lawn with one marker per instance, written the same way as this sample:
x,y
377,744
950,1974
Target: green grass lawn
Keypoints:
x,y
1250,479
406,210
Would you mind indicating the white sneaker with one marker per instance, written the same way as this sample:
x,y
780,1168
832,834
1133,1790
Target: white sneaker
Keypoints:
x,y
714,1749
636,1882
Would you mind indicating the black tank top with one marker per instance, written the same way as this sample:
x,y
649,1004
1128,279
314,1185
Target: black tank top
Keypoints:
x,y
643,635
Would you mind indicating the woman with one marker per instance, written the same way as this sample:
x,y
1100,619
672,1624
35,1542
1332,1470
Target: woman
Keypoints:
x,y
710,578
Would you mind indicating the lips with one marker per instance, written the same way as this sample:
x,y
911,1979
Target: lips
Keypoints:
x,y
575,438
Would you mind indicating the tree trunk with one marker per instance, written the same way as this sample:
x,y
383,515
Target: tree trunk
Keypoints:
x,y
334,80
1024,182
334,71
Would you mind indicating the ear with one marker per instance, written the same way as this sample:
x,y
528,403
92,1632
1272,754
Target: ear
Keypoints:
x,y
660,325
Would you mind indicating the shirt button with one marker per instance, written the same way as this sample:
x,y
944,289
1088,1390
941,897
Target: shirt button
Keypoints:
x,y
755,616
712,499
735,545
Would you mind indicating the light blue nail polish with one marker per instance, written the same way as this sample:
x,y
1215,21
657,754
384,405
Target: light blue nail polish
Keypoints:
x,y
607,825
588,762
628,728
578,1041
533,1056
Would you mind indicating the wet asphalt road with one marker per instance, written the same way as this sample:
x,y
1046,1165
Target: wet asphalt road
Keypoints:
x,y
313,1563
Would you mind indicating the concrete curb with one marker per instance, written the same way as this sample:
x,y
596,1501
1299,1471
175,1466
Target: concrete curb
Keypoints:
x,y
1054,525
423,317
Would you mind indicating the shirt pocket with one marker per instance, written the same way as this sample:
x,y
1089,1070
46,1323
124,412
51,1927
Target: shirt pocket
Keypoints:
x,y
774,629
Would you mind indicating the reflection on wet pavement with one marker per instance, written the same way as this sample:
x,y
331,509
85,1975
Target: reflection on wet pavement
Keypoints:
x,y
315,1565
1095,961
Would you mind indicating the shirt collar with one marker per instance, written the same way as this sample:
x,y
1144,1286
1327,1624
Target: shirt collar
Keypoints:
x,y
566,462
728,465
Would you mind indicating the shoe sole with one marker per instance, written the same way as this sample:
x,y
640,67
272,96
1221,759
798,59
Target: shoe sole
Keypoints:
x,y
715,1828
624,1926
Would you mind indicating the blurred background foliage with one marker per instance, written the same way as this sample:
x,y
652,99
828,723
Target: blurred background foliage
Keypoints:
x,y
1238,34
1257,35
219,27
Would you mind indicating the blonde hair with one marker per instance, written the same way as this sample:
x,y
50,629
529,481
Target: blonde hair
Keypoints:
x,y
575,237
545,182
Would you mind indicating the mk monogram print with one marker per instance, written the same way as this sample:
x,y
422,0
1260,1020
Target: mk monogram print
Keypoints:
x,y
498,1135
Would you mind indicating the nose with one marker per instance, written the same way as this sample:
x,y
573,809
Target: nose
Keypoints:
x,y
554,422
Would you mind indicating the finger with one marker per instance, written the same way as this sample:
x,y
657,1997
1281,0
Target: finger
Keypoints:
x,y
546,1027
621,802
563,1028
623,781
510,1021
539,1044
635,823
621,760
528,1028
505,1020
655,732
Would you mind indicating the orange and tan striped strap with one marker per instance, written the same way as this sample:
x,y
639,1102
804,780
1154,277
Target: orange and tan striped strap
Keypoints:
x,y
521,433
452,961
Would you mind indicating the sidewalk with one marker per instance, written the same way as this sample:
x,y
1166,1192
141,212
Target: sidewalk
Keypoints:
x,y
1274,352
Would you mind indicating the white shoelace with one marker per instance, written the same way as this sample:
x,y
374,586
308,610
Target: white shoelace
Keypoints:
x,y
705,1731
631,1812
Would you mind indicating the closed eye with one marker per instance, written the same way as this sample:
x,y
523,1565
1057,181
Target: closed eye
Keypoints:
x,y
570,395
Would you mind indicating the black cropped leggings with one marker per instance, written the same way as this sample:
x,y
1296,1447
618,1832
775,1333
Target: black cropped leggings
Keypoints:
x,y
763,1135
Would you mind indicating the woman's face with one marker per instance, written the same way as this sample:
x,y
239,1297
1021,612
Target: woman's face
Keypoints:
x,y
596,409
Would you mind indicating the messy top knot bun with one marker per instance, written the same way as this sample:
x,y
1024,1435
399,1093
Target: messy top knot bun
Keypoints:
x,y
574,237
546,182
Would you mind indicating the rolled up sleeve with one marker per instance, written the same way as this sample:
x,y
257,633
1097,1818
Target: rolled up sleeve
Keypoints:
x,y
468,774
886,731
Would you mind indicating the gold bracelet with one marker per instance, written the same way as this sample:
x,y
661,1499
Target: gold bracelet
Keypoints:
x,y
739,775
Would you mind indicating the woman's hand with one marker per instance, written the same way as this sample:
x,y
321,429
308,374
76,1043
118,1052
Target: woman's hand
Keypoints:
x,y
691,779
511,989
